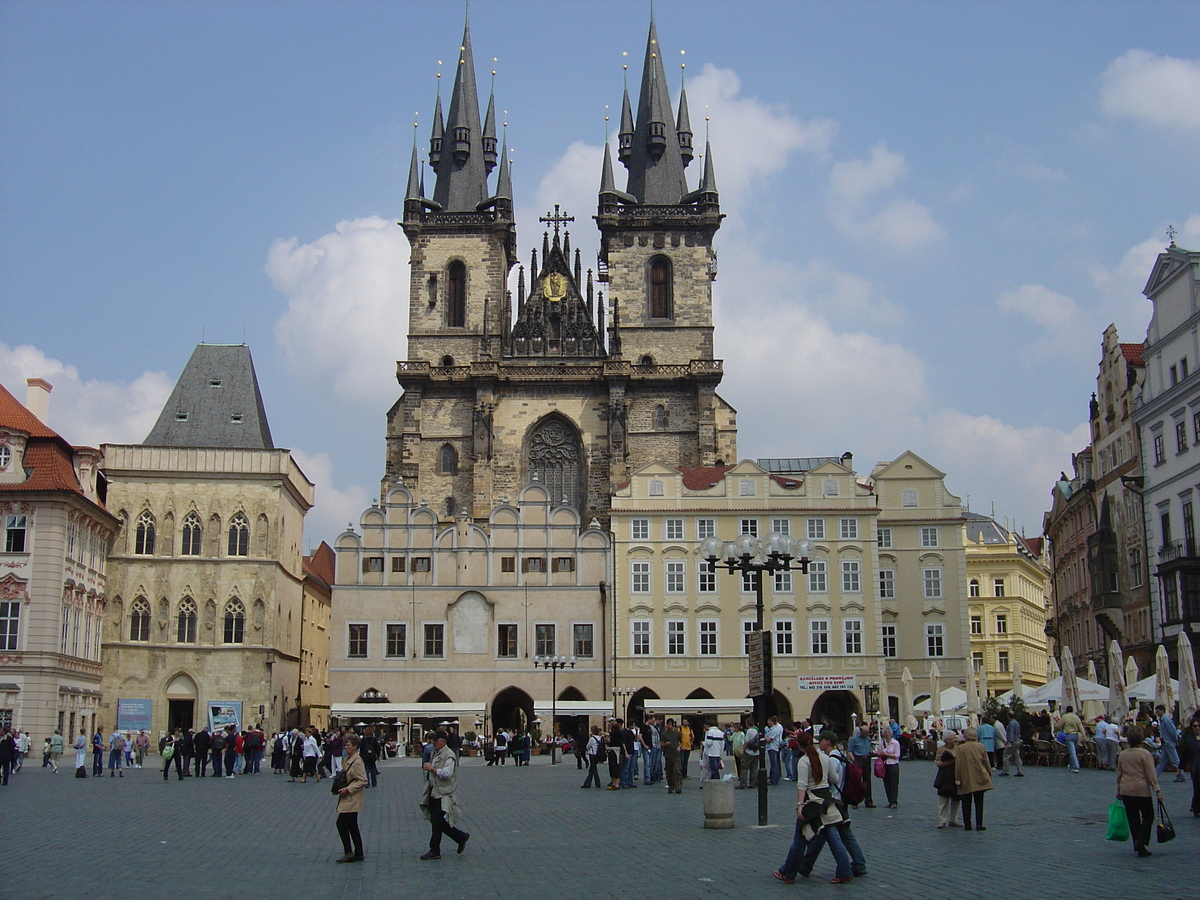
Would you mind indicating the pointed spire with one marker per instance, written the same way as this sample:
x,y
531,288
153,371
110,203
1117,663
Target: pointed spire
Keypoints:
x,y
489,134
436,135
462,172
546,246
414,174
683,128
504,189
625,135
607,184
708,184
655,164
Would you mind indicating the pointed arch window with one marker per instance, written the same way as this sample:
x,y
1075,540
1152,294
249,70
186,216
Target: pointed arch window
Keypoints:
x,y
239,536
186,631
190,535
139,620
456,295
556,463
661,302
662,419
235,622
449,461
143,539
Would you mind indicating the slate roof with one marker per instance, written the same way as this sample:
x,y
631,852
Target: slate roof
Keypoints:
x,y
215,403
984,529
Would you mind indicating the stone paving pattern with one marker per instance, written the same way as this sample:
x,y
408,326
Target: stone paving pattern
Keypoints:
x,y
534,832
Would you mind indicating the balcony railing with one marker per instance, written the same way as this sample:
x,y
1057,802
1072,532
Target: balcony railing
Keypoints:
x,y
1183,549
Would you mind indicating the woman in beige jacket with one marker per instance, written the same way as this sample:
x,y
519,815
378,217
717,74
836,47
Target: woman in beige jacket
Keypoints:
x,y
1135,779
350,802
973,775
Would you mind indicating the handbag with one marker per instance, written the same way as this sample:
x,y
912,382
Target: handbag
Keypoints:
x,y
1165,830
340,780
1118,822
879,767
169,753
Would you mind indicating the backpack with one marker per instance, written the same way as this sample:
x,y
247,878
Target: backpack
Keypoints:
x,y
854,789
754,742
218,741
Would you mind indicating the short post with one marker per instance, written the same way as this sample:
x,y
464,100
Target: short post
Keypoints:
x,y
718,804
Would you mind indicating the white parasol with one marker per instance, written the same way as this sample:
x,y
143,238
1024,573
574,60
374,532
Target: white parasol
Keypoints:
x,y
1092,708
1189,692
906,680
1118,702
1018,689
1164,691
1052,670
1070,680
1132,675
935,689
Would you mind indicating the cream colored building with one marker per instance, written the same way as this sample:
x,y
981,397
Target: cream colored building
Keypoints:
x,y
435,622
205,574
312,698
1007,583
53,560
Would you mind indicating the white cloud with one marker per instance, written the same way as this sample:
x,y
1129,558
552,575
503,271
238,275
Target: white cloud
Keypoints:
x,y
898,222
1155,90
1063,328
334,508
347,314
87,412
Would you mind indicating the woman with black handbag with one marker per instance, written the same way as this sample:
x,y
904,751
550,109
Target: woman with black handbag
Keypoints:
x,y
1135,779
943,783
350,785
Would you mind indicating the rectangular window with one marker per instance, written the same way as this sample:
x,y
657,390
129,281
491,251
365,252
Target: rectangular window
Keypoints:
x,y
641,577
582,642
398,563
396,641
673,530
852,632
1135,567
676,637
851,578
998,587
706,578
708,638
72,530
372,564
784,637
749,635
506,641
934,639
508,564
358,641
1002,660
66,627
706,528
817,577
884,539
929,537
674,575
533,564
563,563
887,584
783,582
1180,437
1160,453
816,529
1001,623
976,624
933,583
781,526
641,637
818,631
639,529
889,641
421,564
14,534
1196,428
748,585
848,529
977,661
750,527
544,640
435,640
973,588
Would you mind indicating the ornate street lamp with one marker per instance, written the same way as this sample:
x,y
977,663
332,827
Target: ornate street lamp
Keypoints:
x,y
770,554
553,663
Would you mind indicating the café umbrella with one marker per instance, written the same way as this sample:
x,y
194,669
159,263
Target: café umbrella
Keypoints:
x,y
1132,675
1070,681
906,680
1118,702
1189,692
1092,708
935,689
1164,691
1018,689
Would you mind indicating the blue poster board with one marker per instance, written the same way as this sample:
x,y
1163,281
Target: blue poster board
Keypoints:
x,y
224,712
133,715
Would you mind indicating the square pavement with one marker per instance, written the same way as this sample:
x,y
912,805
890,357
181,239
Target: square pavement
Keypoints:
x,y
534,832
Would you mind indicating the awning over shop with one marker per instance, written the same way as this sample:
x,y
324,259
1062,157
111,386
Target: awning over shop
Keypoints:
x,y
573,708
702,707
369,712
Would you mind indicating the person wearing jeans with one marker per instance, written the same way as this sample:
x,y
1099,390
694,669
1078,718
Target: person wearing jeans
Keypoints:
x,y
1072,728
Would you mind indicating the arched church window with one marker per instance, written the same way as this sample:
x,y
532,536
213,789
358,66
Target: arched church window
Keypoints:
x,y
449,462
661,306
661,417
186,632
646,360
239,536
447,360
235,622
556,463
451,506
456,295
143,540
139,620
191,535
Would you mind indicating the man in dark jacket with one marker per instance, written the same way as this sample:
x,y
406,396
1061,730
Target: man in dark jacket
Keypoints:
x,y
201,742
369,751
8,754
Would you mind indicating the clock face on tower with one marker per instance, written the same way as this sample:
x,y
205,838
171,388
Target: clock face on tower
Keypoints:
x,y
554,286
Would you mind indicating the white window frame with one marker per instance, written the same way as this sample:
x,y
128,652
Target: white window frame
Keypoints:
x,y
887,584
888,641
783,581
673,529
749,630
706,577
705,528
640,637
639,577
931,579
676,630
818,577
708,633
976,624
935,632
639,529
748,526
852,636
818,637
785,637
781,526
931,536
851,576
815,529
883,538
674,577
848,528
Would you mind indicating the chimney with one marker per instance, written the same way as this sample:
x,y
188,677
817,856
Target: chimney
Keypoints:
x,y
37,397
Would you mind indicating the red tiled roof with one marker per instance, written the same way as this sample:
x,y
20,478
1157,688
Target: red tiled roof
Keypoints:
x,y
320,566
14,415
50,469
701,478
1133,353
1034,545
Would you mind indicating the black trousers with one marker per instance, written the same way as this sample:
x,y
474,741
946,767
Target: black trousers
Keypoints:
x,y
201,764
347,826
891,782
864,763
593,776
1140,811
437,819
976,798
176,758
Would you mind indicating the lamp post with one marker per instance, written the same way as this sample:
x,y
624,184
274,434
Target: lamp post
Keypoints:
x,y
770,554
553,663
621,701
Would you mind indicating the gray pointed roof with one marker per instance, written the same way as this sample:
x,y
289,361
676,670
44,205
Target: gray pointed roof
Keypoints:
x,y
414,176
708,184
504,180
608,184
462,186
216,403
655,182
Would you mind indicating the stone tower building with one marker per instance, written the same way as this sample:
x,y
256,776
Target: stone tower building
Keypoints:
x,y
561,389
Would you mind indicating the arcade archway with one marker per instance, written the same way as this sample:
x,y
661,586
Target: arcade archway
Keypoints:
x,y
512,708
835,710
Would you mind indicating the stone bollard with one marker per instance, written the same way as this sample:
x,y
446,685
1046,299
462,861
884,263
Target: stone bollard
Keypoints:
x,y
718,804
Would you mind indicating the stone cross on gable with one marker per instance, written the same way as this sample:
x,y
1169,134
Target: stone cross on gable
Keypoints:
x,y
1170,231
557,218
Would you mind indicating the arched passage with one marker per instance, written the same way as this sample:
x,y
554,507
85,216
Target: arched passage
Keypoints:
x,y
512,708
636,710
779,706
182,695
835,710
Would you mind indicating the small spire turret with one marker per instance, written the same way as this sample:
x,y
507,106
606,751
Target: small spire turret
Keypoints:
x,y
625,135
438,132
489,135
683,129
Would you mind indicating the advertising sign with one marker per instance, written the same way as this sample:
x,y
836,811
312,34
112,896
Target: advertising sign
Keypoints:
x,y
133,715
760,663
224,712
826,682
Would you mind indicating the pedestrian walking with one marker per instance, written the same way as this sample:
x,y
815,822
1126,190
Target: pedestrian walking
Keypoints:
x,y
438,801
1136,778
594,750
1012,749
973,775
1072,728
670,751
1168,756
350,800
56,749
889,752
1189,758
171,754
116,754
714,746
8,754
860,748
944,783
817,816
97,753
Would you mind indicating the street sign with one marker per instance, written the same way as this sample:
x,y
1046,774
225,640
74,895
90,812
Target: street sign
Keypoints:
x,y
760,663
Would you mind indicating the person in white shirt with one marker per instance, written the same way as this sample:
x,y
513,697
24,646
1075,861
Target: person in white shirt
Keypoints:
x,y
1108,738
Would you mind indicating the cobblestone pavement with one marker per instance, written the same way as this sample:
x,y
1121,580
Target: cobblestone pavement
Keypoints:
x,y
534,831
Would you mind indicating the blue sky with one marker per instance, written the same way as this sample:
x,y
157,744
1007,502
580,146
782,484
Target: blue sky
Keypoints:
x,y
934,209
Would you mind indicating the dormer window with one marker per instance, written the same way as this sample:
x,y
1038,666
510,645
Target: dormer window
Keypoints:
x,y
235,419
5,456
181,417
214,382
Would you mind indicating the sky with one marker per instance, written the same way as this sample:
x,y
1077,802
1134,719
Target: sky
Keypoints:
x,y
933,208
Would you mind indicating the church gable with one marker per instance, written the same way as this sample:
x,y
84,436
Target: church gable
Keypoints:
x,y
554,320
